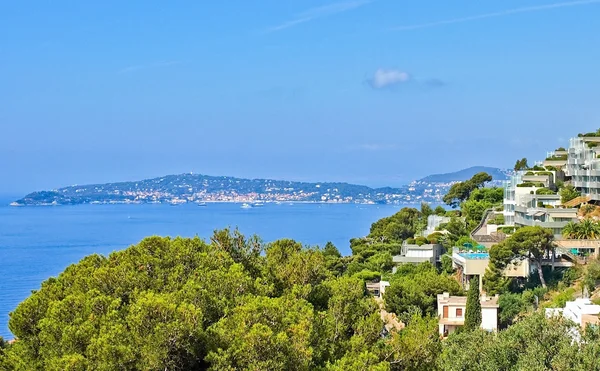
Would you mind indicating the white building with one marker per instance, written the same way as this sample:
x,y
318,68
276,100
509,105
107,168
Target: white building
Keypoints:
x,y
415,254
523,206
581,311
377,289
452,309
583,165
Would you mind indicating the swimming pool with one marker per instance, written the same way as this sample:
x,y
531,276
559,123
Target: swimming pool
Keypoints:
x,y
475,255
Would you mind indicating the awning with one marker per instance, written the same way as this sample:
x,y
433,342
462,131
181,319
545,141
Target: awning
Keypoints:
x,y
536,213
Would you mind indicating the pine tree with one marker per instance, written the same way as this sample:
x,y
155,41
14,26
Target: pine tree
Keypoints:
x,y
473,313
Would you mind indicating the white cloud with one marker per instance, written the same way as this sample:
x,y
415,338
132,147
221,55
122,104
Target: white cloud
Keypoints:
x,y
319,12
502,13
384,78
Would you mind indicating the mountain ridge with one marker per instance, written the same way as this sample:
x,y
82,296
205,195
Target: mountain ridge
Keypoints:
x,y
464,174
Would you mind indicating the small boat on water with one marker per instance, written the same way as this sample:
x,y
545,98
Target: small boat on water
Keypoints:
x,y
200,203
246,206
258,204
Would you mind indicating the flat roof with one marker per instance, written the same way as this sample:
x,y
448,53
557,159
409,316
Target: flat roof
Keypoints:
x,y
429,246
486,301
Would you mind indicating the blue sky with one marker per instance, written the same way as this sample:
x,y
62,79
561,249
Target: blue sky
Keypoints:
x,y
375,92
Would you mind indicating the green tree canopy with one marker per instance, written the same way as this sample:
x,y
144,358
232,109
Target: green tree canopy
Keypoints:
x,y
461,191
417,287
521,164
568,193
184,304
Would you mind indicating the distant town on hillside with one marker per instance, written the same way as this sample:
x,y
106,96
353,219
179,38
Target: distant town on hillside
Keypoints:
x,y
185,188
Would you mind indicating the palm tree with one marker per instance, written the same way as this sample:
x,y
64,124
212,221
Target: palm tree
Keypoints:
x,y
570,230
588,230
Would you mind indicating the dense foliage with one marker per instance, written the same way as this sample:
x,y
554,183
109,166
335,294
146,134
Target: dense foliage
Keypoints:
x,y
414,288
568,193
185,304
533,344
461,191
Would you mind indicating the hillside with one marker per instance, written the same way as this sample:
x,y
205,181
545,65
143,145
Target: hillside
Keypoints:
x,y
462,175
184,188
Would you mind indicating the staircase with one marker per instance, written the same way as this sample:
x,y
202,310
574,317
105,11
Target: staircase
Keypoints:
x,y
569,254
485,238
486,215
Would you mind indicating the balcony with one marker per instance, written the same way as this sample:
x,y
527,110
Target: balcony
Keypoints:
x,y
532,222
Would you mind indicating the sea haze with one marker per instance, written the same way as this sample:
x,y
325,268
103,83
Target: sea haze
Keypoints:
x,y
39,242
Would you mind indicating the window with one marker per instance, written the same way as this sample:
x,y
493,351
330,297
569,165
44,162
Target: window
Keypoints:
x,y
459,312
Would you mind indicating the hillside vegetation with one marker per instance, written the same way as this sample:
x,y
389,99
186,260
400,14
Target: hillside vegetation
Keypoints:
x,y
236,303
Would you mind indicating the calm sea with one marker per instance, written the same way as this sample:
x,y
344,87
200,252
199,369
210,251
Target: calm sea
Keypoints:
x,y
39,242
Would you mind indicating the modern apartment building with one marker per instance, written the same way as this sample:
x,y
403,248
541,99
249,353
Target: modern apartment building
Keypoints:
x,y
583,165
524,206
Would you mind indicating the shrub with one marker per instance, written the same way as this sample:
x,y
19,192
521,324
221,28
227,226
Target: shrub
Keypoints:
x,y
530,184
509,229
498,220
435,237
421,240
557,158
544,191
561,299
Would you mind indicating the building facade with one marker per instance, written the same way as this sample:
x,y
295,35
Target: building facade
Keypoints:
x,y
415,254
525,205
583,165
471,265
452,309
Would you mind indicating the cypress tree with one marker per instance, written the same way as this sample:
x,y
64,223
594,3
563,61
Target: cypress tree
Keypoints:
x,y
473,312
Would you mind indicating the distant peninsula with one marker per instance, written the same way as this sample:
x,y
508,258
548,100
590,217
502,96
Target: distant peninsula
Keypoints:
x,y
186,188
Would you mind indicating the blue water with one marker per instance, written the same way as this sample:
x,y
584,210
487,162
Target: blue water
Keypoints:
x,y
39,242
475,255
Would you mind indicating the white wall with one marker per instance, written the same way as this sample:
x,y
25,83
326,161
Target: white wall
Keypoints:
x,y
489,319
419,254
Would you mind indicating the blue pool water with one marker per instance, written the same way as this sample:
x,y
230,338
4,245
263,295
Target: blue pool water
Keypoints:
x,y
475,255
39,242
